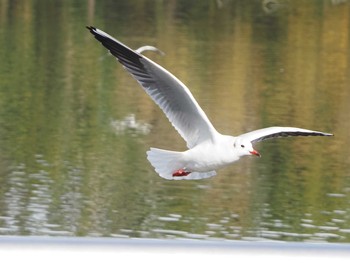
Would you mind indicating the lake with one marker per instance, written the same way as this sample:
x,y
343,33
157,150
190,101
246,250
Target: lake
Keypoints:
x,y
75,126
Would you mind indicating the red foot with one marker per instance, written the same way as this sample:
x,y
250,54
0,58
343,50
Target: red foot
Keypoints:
x,y
181,172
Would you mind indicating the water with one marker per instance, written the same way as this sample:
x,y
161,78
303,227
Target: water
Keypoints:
x,y
74,126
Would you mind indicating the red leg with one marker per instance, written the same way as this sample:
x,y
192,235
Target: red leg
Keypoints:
x,y
181,172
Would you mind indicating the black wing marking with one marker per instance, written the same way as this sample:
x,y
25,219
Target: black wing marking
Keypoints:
x,y
278,132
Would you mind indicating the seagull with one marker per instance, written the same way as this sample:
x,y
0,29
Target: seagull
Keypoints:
x,y
208,150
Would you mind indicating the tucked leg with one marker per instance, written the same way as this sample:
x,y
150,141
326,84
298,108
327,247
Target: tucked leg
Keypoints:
x,y
181,172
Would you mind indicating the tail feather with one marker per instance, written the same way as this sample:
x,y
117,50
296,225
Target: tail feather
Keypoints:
x,y
166,163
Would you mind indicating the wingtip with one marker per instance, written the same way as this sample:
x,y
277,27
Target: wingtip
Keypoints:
x,y
327,134
91,28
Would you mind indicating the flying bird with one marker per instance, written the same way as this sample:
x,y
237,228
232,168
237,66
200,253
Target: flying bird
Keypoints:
x,y
208,150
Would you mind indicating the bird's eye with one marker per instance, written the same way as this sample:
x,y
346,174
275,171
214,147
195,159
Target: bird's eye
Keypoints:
x,y
242,145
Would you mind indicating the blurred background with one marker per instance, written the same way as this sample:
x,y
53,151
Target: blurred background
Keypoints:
x,y
74,126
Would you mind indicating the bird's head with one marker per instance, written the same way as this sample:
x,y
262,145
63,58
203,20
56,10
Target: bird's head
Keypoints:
x,y
244,147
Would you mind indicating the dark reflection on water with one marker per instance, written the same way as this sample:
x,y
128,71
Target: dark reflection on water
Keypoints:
x,y
74,127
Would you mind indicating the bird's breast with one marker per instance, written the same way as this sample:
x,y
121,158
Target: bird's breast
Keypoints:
x,y
208,157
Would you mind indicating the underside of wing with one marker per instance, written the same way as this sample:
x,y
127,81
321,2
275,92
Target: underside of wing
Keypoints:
x,y
169,93
277,132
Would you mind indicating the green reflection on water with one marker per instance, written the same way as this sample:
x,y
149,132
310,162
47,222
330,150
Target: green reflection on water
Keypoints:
x,y
65,170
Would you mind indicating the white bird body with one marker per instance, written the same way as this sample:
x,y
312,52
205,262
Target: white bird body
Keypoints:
x,y
208,149
210,155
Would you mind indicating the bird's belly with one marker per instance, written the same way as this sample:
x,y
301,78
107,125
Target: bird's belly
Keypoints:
x,y
204,166
204,161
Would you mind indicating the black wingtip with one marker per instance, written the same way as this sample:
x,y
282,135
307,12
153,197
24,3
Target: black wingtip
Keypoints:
x,y
91,28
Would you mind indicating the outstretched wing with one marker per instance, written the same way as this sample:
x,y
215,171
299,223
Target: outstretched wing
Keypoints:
x,y
169,93
277,132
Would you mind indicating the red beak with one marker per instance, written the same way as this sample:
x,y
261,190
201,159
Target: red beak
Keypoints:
x,y
254,152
